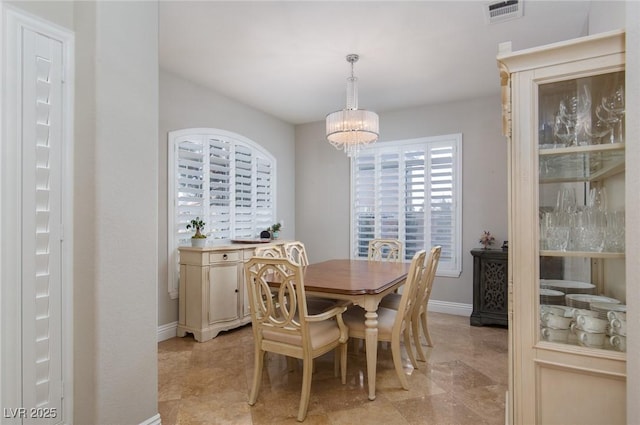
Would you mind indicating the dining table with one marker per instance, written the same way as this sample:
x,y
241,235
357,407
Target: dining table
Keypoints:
x,y
364,283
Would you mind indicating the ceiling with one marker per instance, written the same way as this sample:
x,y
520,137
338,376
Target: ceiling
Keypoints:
x,y
287,58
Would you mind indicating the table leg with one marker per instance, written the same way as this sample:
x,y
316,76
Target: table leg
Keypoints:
x,y
371,341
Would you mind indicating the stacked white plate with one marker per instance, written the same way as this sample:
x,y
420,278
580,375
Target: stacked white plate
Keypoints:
x,y
604,308
584,300
551,296
568,286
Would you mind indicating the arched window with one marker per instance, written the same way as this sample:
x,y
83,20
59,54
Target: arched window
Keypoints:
x,y
225,179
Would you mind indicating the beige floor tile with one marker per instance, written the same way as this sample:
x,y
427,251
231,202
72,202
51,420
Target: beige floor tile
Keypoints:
x,y
462,382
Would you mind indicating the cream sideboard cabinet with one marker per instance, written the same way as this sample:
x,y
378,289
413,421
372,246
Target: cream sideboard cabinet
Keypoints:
x,y
564,117
212,289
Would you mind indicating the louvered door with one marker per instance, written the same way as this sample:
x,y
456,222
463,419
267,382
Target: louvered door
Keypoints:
x,y
41,137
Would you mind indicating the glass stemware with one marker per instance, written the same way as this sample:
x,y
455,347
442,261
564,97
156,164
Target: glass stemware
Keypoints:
x,y
614,107
598,130
583,117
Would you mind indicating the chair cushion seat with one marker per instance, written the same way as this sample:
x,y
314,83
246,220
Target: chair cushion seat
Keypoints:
x,y
391,301
320,333
354,319
316,305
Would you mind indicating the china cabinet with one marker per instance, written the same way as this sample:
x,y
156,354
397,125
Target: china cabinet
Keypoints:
x,y
564,117
212,289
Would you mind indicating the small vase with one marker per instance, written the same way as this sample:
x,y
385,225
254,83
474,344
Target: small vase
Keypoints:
x,y
199,242
275,235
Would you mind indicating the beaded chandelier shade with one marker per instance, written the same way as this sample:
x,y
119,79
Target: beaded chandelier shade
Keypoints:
x,y
351,128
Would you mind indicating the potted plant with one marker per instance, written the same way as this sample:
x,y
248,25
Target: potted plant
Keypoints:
x,y
275,230
198,239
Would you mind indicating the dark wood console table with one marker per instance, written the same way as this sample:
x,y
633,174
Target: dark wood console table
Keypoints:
x,y
490,294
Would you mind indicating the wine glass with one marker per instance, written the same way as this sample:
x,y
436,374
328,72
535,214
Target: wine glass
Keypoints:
x,y
583,116
564,127
614,106
599,129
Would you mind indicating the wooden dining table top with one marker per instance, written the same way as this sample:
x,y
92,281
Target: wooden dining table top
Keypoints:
x,y
354,277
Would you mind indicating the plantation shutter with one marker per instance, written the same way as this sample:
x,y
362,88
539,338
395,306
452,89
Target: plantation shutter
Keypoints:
x,y
389,193
41,140
244,194
414,207
219,218
364,200
190,185
264,194
409,191
443,205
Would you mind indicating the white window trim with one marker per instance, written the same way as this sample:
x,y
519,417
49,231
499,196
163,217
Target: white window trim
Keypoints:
x,y
393,146
172,137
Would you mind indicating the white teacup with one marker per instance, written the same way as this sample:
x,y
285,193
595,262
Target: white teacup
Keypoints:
x,y
591,324
558,310
616,315
618,342
619,327
589,339
555,335
583,312
555,321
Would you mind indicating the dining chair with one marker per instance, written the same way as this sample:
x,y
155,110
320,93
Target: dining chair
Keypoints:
x,y
271,251
385,250
296,252
285,327
392,324
423,293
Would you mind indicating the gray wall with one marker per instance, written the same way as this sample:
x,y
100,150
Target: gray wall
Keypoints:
x,y
323,181
185,105
115,185
116,200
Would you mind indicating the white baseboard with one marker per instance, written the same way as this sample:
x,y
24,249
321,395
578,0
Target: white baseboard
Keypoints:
x,y
154,420
167,331
457,309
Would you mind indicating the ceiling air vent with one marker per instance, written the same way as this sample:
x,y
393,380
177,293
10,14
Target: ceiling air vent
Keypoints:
x,y
500,11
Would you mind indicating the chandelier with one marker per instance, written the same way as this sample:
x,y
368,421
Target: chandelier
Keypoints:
x,y
351,127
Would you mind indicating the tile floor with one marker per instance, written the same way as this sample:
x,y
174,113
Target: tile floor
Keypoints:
x,y
463,382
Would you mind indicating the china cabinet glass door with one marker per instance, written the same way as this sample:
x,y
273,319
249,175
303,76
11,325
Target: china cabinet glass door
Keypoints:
x,y
581,211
